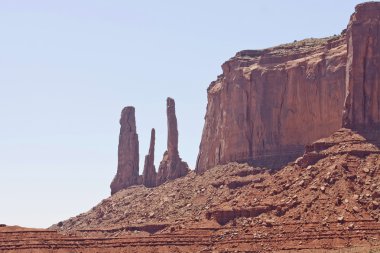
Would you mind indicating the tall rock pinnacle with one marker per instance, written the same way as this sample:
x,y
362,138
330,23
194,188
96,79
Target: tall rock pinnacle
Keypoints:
x,y
362,104
172,129
149,173
171,166
128,152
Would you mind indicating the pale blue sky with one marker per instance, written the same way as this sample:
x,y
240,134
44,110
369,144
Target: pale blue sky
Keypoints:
x,y
67,68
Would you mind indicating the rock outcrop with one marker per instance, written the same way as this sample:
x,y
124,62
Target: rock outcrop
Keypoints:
x,y
171,166
362,105
149,173
128,152
269,103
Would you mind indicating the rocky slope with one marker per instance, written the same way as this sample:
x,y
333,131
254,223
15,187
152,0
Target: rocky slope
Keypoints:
x,y
269,103
327,199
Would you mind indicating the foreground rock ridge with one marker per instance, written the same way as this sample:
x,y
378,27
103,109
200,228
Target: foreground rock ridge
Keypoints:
x,y
328,199
128,152
269,103
171,166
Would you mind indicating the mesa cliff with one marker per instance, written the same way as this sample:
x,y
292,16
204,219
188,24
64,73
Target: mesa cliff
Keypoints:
x,y
362,105
269,103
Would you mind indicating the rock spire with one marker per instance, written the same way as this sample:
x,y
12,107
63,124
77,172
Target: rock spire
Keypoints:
x,y
128,152
171,166
149,173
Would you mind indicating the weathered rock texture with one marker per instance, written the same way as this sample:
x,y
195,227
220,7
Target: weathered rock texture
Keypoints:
x,y
171,166
269,103
330,202
128,152
362,105
149,173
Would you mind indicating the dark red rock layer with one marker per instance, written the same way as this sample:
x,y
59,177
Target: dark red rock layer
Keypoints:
x,y
128,152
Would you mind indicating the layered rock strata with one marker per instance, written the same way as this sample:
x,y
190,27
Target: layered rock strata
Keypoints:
x,y
149,173
171,166
128,152
269,103
362,105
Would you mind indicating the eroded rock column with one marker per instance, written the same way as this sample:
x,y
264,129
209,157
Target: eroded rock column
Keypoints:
x,y
149,173
171,166
128,152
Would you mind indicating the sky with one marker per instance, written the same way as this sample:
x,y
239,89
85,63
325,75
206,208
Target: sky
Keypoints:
x,y
68,67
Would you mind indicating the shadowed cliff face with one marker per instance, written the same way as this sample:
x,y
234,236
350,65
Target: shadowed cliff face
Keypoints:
x,y
362,105
268,104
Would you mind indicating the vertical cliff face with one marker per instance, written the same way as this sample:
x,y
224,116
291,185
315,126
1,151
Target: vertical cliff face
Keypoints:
x,y
128,152
269,103
149,173
171,166
362,105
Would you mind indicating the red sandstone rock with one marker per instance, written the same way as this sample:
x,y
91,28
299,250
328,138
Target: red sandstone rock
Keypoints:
x,y
362,105
171,166
326,201
149,173
269,103
294,205
128,152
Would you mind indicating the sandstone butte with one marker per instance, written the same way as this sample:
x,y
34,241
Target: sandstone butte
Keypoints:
x,y
171,166
268,104
262,110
